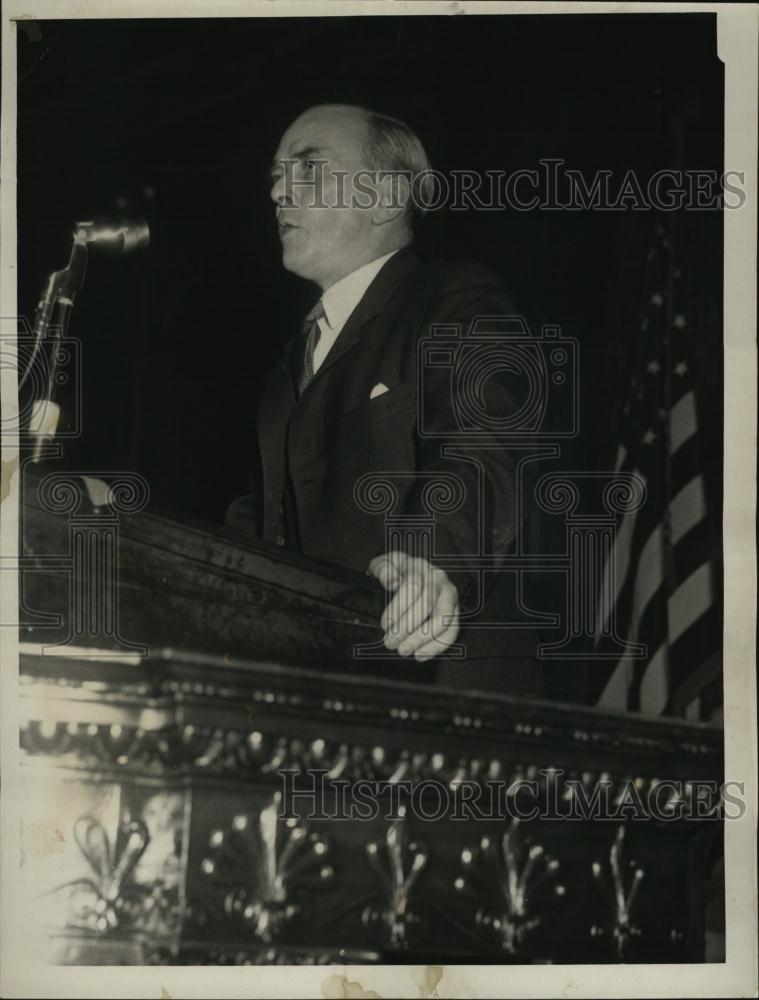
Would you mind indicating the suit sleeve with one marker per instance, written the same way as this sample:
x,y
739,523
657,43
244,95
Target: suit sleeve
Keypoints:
x,y
243,515
452,440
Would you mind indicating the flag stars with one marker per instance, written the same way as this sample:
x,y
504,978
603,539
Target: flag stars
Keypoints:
x,y
654,367
681,368
657,299
649,437
679,322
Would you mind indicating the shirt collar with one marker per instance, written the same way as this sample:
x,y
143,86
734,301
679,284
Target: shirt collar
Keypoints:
x,y
341,299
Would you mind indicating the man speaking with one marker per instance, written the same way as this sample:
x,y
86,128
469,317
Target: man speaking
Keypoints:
x,y
348,400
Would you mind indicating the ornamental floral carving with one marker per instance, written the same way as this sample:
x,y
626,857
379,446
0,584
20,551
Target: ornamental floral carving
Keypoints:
x,y
515,870
618,895
109,900
397,862
260,868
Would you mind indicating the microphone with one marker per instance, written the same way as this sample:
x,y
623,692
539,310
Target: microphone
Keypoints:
x,y
117,235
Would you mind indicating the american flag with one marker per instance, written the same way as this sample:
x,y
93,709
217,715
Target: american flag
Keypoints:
x,y
661,578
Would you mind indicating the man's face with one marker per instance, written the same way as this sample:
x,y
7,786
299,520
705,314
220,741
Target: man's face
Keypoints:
x,y
322,244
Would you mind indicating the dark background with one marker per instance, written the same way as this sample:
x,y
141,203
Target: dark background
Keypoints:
x,y
179,120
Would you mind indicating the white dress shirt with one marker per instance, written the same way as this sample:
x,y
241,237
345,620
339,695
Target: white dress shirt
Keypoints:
x,y
340,300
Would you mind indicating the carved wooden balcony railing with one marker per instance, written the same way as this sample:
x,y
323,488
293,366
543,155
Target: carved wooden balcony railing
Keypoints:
x,y
162,745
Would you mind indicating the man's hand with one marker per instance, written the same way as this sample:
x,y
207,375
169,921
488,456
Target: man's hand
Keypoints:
x,y
423,616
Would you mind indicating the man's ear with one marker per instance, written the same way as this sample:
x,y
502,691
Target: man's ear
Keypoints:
x,y
393,190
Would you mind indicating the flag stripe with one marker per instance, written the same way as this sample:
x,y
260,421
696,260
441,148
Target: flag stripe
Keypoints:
x,y
694,661
683,421
686,461
691,551
618,566
654,687
693,709
690,601
614,694
687,508
649,576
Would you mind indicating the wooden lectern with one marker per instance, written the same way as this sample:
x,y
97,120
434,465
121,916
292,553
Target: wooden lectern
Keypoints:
x,y
213,775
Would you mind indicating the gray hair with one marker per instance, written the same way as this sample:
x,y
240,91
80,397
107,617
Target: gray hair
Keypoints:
x,y
391,145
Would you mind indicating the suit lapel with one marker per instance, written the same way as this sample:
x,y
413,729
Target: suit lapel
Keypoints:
x,y
294,351
280,395
373,302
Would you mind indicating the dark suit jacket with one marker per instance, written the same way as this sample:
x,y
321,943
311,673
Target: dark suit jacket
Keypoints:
x,y
315,450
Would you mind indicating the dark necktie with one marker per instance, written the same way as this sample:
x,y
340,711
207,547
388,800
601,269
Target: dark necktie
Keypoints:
x,y
312,331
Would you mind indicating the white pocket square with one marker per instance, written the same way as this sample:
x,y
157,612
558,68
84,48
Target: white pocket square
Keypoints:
x,y
379,389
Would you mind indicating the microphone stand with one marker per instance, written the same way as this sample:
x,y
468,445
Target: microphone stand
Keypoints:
x,y
117,235
59,293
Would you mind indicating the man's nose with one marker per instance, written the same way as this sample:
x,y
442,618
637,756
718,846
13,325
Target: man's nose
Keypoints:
x,y
280,194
